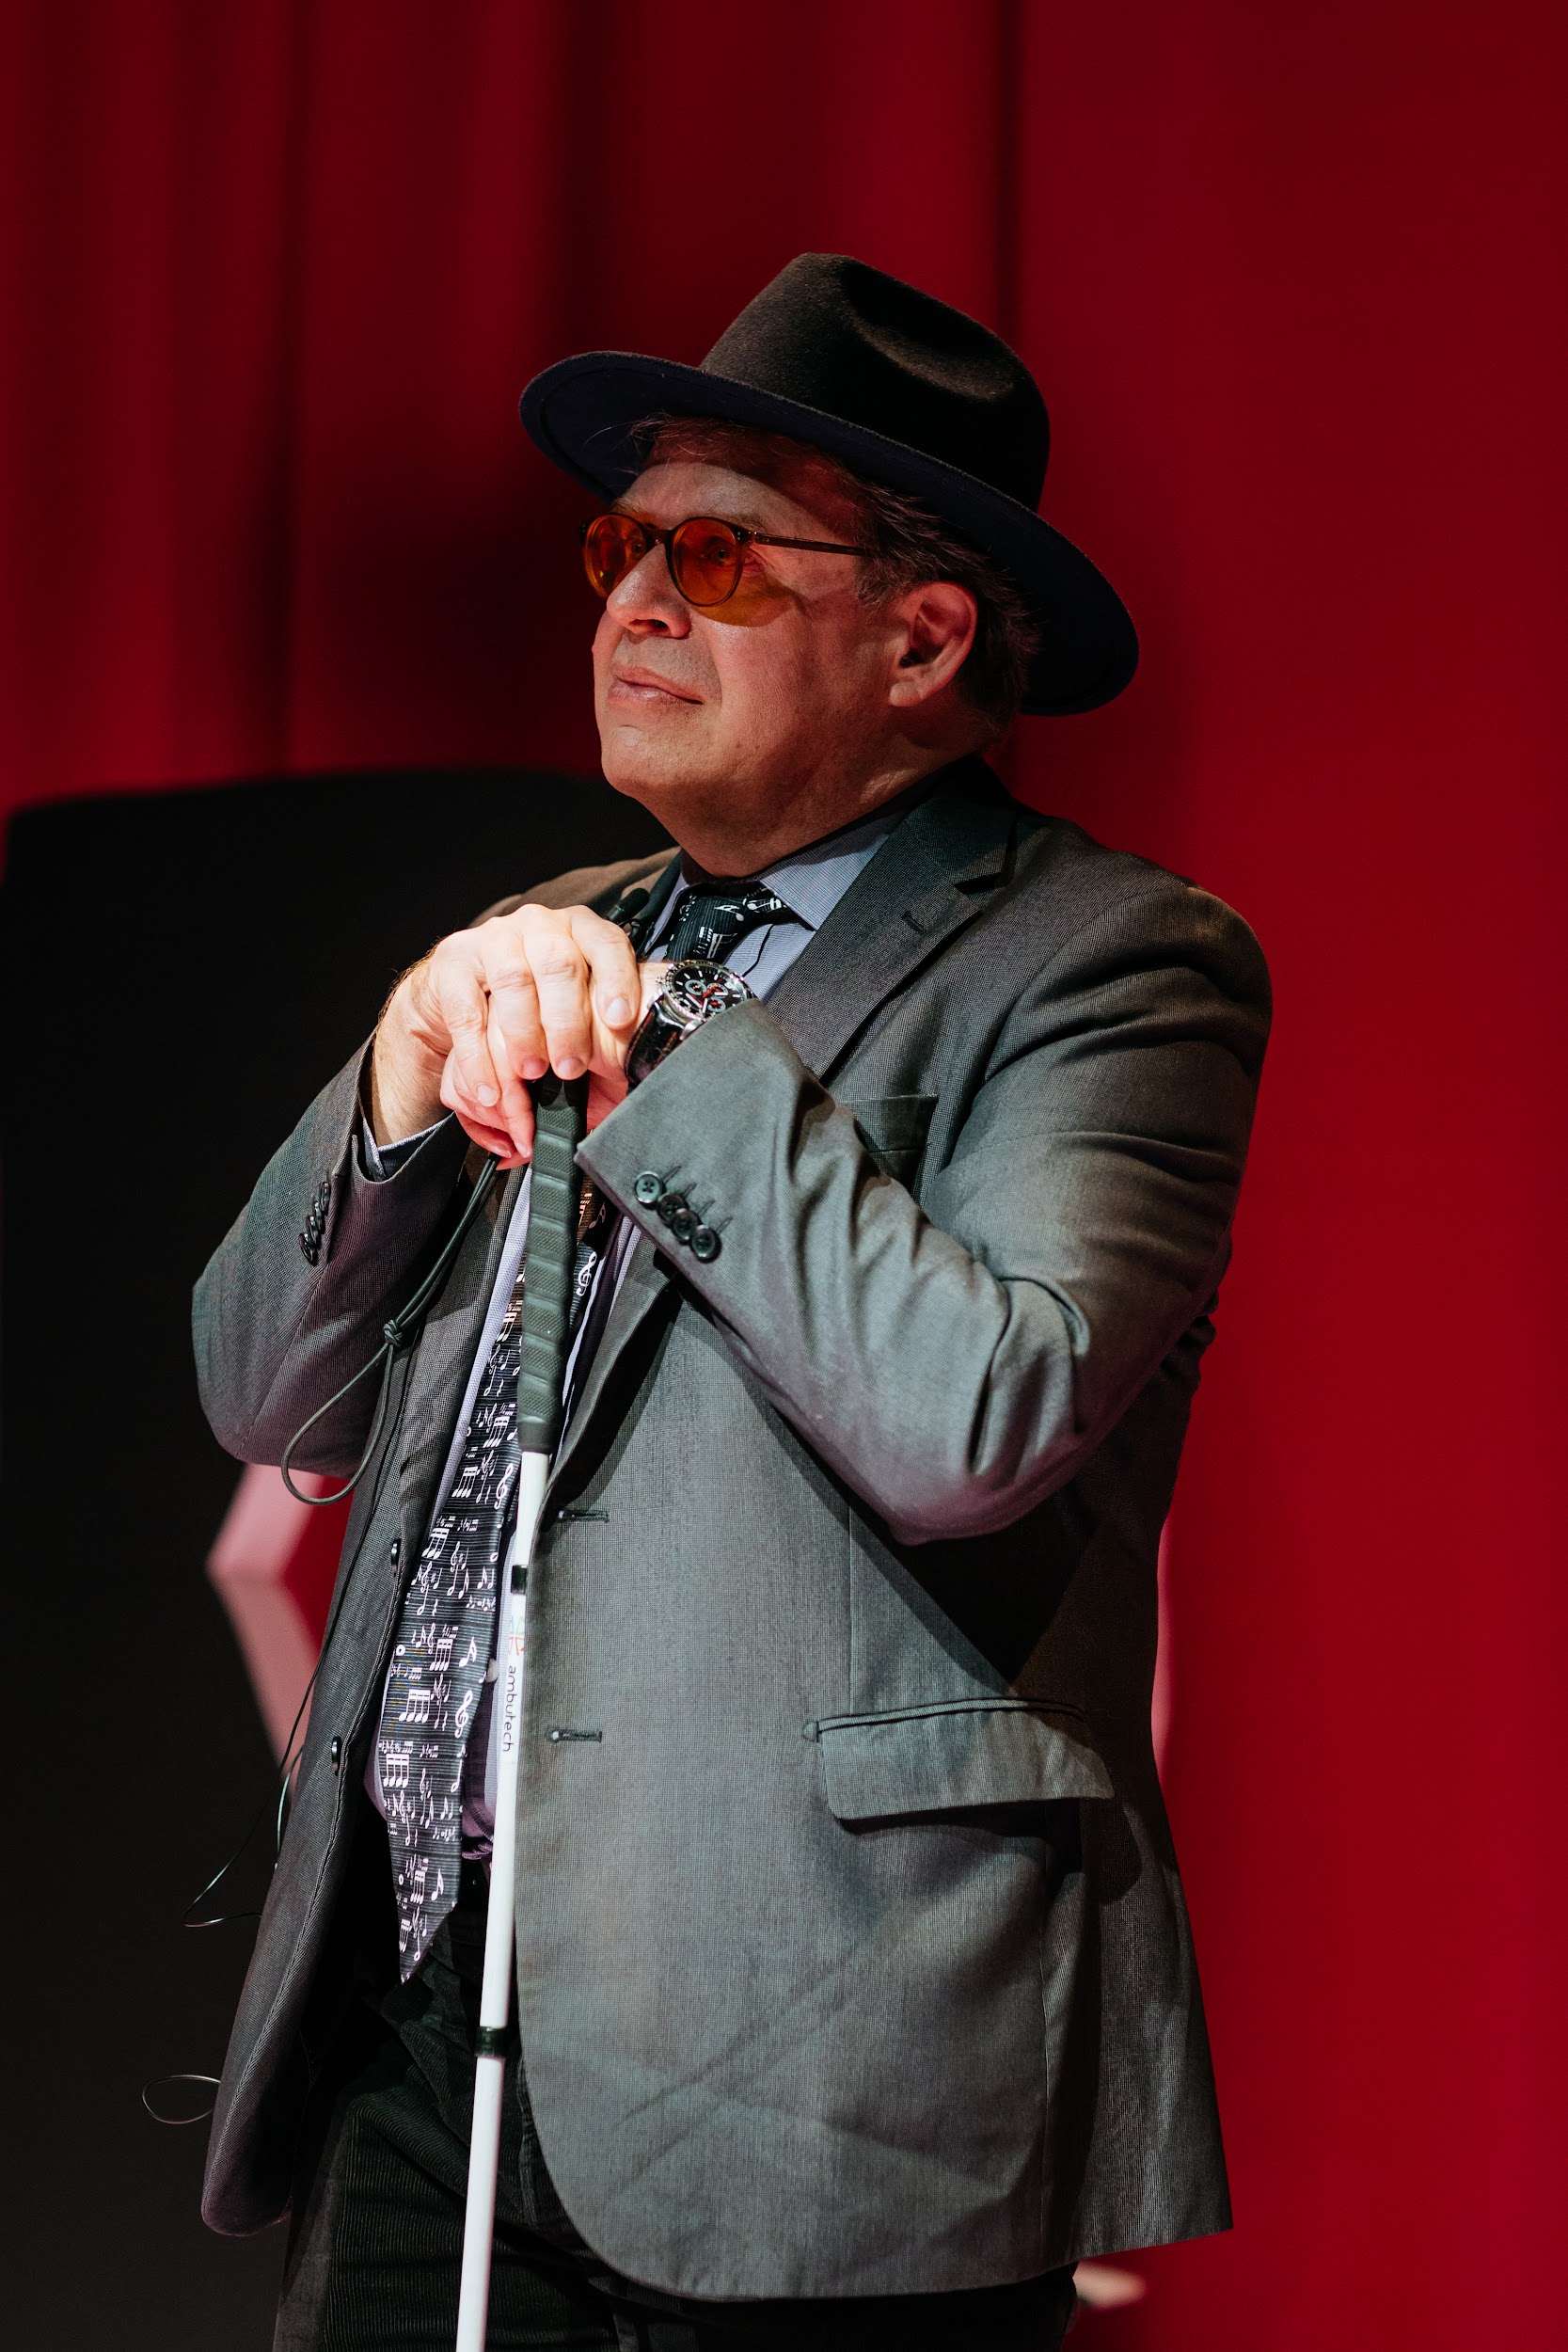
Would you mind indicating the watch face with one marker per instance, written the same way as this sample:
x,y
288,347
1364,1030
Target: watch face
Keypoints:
x,y
693,991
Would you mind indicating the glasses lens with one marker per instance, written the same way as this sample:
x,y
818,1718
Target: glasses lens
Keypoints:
x,y
610,546
704,561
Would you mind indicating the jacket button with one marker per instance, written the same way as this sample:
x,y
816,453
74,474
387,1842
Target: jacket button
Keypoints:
x,y
704,1243
312,1249
683,1225
670,1207
648,1188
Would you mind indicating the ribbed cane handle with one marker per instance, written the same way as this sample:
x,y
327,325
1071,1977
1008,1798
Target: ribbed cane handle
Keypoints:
x,y
558,1122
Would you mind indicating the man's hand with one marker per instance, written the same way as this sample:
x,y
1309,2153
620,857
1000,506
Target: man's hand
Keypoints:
x,y
489,1008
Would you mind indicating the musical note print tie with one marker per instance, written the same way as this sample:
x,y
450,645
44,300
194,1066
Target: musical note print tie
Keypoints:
x,y
713,918
447,1632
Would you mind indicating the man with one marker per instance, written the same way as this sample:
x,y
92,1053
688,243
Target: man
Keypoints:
x,y
855,1998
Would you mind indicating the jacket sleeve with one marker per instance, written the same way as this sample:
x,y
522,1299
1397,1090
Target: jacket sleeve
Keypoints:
x,y
278,1330
277,1334
956,1361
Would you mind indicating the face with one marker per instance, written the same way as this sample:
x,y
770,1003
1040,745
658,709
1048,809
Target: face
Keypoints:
x,y
754,726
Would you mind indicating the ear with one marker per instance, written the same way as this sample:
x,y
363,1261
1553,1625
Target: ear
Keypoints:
x,y
935,631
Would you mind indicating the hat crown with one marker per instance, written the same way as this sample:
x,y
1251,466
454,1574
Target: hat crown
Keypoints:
x,y
904,390
838,336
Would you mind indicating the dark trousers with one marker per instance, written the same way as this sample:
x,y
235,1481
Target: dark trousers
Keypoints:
x,y
377,2231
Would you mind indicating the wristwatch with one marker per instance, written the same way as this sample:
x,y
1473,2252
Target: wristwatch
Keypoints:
x,y
690,994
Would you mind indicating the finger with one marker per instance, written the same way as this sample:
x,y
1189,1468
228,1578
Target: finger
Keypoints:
x,y
612,965
517,1042
515,1035
479,1124
456,981
613,1045
500,1146
512,1058
619,995
560,978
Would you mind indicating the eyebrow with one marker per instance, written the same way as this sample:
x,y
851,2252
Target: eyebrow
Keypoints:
x,y
750,520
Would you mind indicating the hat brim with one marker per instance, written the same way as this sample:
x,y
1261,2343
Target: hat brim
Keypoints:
x,y
583,414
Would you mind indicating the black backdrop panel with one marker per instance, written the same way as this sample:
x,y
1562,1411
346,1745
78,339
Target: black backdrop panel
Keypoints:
x,y
182,971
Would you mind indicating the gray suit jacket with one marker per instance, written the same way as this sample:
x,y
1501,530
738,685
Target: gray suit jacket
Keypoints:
x,y
851,1951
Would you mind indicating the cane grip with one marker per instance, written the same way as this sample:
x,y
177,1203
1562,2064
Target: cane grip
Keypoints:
x,y
549,1255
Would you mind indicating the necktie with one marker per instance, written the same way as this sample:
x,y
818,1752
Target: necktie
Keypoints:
x,y
446,1635
713,918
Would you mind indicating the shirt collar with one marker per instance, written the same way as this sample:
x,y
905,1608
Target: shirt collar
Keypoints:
x,y
811,881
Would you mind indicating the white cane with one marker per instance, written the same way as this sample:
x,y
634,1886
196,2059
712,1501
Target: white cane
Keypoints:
x,y
549,1253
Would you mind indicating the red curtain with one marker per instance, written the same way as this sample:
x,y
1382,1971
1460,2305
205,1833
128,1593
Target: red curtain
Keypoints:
x,y
274,274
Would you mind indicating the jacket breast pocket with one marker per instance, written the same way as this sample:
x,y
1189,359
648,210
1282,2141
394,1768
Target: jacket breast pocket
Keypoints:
x,y
893,1128
951,1754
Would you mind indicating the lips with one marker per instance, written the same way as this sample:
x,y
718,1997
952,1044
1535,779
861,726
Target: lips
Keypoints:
x,y
648,686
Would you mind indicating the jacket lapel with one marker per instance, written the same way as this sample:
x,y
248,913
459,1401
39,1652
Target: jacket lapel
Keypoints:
x,y
929,878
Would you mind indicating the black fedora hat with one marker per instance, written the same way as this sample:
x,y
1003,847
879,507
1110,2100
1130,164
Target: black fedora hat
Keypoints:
x,y
898,386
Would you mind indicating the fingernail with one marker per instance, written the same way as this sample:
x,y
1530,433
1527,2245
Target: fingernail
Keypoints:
x,y
569,1066
617,1010
488,1095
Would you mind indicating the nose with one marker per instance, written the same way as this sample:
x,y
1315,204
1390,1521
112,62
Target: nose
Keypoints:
x,y
647,603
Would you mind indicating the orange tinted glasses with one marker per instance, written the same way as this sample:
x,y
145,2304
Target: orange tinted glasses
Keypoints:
x,y
704,555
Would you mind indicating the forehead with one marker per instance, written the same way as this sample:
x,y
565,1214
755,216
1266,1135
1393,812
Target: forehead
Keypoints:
x,y
781,493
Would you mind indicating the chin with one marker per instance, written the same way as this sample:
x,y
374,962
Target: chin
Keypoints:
x,y
661,774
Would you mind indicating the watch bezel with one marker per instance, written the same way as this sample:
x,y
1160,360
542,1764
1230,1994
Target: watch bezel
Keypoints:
x,y
693,991
690,994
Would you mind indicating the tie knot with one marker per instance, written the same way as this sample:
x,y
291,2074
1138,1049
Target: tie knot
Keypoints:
x,y
713,918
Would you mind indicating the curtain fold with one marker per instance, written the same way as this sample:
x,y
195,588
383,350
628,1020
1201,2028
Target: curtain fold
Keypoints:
x,y
272,275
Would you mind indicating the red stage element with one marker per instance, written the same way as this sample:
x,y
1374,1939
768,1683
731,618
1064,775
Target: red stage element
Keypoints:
x,y
1292,279
272,1567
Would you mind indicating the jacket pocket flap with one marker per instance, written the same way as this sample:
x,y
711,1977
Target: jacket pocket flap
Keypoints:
x,y
934,1760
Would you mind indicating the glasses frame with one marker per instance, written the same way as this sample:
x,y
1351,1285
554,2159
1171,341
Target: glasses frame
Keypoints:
x,y
653,536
